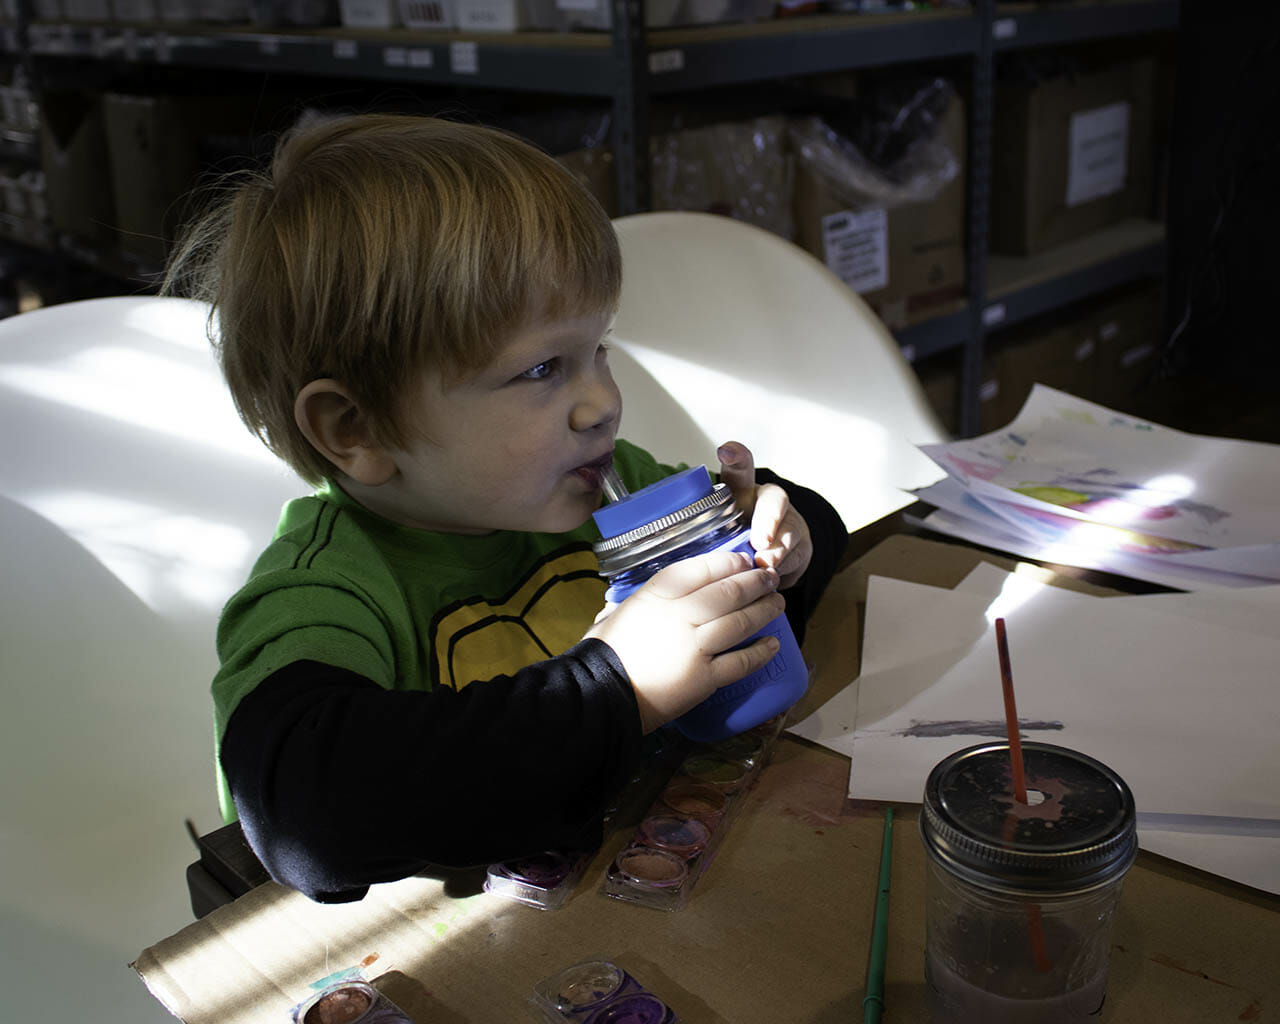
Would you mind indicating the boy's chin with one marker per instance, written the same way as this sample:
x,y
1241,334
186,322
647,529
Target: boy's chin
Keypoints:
x,y
568,516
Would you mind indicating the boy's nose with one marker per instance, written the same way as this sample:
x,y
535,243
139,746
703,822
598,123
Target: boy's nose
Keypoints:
x,y
598,404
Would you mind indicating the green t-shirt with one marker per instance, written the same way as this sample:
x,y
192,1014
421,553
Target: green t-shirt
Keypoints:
x,y
409,609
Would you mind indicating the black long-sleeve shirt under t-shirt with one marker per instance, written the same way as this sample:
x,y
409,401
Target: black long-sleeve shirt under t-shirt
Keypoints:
x,y
340,782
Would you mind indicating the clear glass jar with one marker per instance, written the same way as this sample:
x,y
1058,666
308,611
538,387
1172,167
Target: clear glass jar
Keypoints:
x,y
1021,897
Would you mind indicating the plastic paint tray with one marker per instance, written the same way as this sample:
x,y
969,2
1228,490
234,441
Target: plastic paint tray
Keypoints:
x,y
598,992
680,833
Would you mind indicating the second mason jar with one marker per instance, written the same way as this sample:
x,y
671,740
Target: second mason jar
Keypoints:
x,y
1021,897
678,517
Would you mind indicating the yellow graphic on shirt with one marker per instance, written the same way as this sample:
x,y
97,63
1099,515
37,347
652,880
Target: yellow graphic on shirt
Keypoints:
x,y
546,616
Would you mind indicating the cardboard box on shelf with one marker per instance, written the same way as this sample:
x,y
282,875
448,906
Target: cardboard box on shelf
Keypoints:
x,y
1072,154
73,153
1129,329
908,261
940,377
1064,356
154,143
737,168
154,162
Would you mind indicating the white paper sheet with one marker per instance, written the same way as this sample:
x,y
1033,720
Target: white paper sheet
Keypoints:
x,y
1186,712
1243,850
962,515
1078,475
1254,610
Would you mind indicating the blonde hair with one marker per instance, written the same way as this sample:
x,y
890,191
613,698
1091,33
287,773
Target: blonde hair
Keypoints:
x,y
377,246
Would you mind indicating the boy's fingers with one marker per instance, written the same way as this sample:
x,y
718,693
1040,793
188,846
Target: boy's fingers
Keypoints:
x,y
733,665
722,598
684,577
738,471
729,630
771,510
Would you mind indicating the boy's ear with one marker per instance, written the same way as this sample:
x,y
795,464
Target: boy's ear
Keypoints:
x,y
331,419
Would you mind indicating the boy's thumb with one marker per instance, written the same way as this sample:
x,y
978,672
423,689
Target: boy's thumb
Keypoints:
x,y
738,471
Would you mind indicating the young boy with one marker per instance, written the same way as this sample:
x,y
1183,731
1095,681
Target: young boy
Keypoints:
x,y
413,314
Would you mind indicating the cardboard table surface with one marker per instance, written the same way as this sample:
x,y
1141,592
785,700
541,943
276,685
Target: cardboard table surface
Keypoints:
x,y
776,931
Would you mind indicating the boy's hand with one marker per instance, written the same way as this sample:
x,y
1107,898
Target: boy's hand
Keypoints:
x,y
674,634
778,532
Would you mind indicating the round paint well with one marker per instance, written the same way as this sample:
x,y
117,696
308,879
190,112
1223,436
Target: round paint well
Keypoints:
x,y
726,776
343,1004
685,837
544,870
647,866
637,1008
586,985
695,801
746,746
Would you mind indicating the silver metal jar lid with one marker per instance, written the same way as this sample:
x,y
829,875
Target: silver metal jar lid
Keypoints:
x,y
1077,831
661,536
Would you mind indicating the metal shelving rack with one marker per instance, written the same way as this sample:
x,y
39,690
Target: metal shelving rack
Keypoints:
x,y
630,65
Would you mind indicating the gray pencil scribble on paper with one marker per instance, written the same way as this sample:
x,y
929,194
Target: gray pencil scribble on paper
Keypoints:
x,y
972,727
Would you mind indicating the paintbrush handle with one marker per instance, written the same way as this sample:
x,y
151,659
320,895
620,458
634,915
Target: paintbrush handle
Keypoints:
x,y
873,1001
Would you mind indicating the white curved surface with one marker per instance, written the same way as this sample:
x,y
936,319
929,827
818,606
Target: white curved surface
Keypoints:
x,y
132,503
759,342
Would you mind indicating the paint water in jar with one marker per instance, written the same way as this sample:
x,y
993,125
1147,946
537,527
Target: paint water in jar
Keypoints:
x,y
1021,897
676,518
982,1000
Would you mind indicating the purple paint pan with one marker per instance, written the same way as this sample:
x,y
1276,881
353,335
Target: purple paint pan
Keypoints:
x,y
685,837
640,1008
544,870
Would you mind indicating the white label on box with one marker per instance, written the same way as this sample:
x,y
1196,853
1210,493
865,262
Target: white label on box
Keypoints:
x,y
993,314
857,247
395,57
421,57
666,60
1098,161
1004,28
345,49
464,58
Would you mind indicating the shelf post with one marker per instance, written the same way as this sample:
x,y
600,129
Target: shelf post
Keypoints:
x,y
981,118
631,106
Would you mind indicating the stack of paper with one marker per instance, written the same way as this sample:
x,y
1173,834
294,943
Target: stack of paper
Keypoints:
x,y
1178,693
1078,484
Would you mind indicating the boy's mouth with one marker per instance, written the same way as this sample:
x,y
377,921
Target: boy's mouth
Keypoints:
x,y
590,472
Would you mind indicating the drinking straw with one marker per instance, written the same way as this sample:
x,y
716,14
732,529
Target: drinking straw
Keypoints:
x,y
1038,950
873,1001
612,485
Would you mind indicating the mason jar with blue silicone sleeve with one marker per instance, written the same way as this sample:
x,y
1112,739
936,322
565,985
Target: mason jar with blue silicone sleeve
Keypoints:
x,y
676,518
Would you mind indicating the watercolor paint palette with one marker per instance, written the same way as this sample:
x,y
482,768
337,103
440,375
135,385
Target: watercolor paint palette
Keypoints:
x,y
547,880
347,998
599,992
678,837
544,880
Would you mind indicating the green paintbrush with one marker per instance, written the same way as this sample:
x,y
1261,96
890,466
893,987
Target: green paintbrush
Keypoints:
x,y
873,1001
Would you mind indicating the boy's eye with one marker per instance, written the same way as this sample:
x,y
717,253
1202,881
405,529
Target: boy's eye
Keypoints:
x,y
539,371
